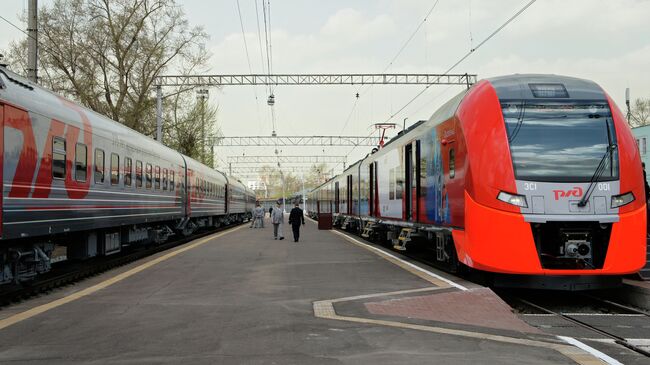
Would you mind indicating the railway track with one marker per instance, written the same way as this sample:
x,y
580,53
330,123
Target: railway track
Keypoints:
x,y
577,313
591,300
64,273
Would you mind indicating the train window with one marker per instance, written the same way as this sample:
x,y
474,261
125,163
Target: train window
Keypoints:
x,y
80,162
157,186
171,180
452,163
138,174
128,171
99,166
399,183
115,169
165,178
58,157
391,184
148,177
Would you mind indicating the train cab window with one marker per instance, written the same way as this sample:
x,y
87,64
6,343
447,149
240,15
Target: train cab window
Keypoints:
x,y
115,169
165,178
138,174
148,177
99,166
58,157
128,171
80,162
171,180
452,163
157,186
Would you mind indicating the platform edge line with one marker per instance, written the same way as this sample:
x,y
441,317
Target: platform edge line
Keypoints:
x,y
325,309
583,346
19,317
402,261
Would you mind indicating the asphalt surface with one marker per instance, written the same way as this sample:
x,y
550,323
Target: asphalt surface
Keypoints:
x,y
245,298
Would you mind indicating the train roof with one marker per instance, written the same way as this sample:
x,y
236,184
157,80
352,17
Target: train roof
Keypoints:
x,y
538,86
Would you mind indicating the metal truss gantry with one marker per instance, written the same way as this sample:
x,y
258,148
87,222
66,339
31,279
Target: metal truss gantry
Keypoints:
x,y
285,159
254,170
301,79
315,79
294,141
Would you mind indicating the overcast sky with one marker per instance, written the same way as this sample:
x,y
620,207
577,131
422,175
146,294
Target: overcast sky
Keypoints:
x,y
602,40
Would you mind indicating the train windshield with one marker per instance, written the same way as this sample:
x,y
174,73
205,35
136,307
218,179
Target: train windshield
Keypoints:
x,y
560,141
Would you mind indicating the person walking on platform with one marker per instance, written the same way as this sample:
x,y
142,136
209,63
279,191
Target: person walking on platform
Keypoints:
x,y
296,217
253,218
271,211
259,216
277,218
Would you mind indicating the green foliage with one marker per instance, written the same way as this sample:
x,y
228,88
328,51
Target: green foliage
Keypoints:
x,y
640,112
105,54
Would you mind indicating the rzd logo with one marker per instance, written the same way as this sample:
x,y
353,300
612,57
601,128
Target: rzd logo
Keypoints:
x,y
575,192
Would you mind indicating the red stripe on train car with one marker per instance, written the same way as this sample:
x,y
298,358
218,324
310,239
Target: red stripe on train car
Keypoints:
x,y
99,207
2,159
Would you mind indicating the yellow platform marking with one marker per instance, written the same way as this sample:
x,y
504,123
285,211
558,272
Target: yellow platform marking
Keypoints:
x,y
325,309
4,323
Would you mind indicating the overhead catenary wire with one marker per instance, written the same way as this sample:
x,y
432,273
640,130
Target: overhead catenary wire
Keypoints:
x,y
464,57
399,52
248,59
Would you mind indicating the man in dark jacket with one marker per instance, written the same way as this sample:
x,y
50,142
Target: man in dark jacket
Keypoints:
x,y
295,219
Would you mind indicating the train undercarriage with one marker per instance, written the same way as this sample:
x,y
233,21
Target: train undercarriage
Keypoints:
x,y
560,245
22,260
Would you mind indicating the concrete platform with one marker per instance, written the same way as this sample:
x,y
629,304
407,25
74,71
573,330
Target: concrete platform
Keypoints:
x,y
242,297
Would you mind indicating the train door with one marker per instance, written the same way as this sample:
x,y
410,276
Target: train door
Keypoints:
x,y
184,188
416,184
349,190
408,181
337,196
371,190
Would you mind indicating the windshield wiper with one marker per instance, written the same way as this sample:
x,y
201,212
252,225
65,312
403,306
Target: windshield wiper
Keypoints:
x,y
597,174
520,120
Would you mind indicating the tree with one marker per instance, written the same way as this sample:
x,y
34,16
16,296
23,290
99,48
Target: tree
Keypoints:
x,y
293,183
187,116
106,53
640,112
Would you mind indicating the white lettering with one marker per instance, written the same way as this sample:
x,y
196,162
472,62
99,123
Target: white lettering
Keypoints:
x,y
530,186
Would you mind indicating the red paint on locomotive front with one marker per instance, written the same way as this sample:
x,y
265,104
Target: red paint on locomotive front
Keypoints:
x,y
495,236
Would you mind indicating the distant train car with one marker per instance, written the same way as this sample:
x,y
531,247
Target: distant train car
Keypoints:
x,y
74,178
535,178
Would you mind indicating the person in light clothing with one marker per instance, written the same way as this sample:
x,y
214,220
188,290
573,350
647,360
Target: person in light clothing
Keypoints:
x,y
259,216
277,218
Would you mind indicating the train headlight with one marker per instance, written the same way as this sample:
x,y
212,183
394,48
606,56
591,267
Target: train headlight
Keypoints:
x,y
514,199
621,200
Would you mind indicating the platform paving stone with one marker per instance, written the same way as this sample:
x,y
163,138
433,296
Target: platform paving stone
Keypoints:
x,y
245,298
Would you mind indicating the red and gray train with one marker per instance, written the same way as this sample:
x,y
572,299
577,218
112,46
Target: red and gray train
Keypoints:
x,y
76,179
536,179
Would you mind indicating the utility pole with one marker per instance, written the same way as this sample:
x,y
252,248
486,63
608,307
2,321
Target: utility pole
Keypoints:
x,y
32,41
159,113
304,199
202,95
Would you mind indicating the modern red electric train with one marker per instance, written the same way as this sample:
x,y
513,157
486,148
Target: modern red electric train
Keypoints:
x,y
534,178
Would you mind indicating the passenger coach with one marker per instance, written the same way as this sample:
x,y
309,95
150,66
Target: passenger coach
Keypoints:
x,y
75,179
